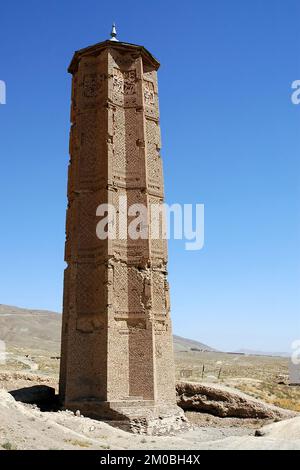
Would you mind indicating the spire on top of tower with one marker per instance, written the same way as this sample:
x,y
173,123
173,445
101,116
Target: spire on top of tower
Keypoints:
x,y
113,33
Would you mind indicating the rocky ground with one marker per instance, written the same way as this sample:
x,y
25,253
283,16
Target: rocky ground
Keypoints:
x,y
25,426
228,398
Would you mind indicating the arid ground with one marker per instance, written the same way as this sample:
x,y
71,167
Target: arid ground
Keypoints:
x,y
32,358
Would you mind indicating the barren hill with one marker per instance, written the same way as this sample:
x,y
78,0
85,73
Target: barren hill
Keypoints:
x,y
40,329
185,344
33,329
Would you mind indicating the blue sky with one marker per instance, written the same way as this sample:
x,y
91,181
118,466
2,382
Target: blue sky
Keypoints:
x,y
230,140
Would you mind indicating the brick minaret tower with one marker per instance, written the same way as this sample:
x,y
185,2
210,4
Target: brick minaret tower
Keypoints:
x,y
117,352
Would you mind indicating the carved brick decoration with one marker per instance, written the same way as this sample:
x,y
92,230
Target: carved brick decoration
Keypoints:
x,y
117,354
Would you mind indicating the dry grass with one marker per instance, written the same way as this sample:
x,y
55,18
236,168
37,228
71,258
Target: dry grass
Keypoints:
x,y
77,443
276,394
8,446
257,376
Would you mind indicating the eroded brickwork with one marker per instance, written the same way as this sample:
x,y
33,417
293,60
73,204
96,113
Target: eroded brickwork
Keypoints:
x,y
117,350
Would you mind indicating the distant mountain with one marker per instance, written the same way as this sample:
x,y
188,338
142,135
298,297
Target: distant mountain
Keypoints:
x,y
40,329
32,329
185,344
251,352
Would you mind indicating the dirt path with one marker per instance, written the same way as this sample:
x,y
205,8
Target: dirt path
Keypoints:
x,y
26,427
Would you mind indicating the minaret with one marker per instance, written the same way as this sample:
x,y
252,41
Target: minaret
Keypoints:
x,y
117,352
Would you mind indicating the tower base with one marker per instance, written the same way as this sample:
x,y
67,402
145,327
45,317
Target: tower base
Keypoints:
x,y
137,416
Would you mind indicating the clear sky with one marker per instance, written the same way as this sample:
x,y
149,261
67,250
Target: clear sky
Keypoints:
x,y
230,141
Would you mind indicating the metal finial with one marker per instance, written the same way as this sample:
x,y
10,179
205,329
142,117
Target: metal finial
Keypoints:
x,y
113,33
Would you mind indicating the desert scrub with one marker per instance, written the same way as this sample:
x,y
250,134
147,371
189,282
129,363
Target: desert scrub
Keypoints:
x,y
8,446
283,396
77,443
288,403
